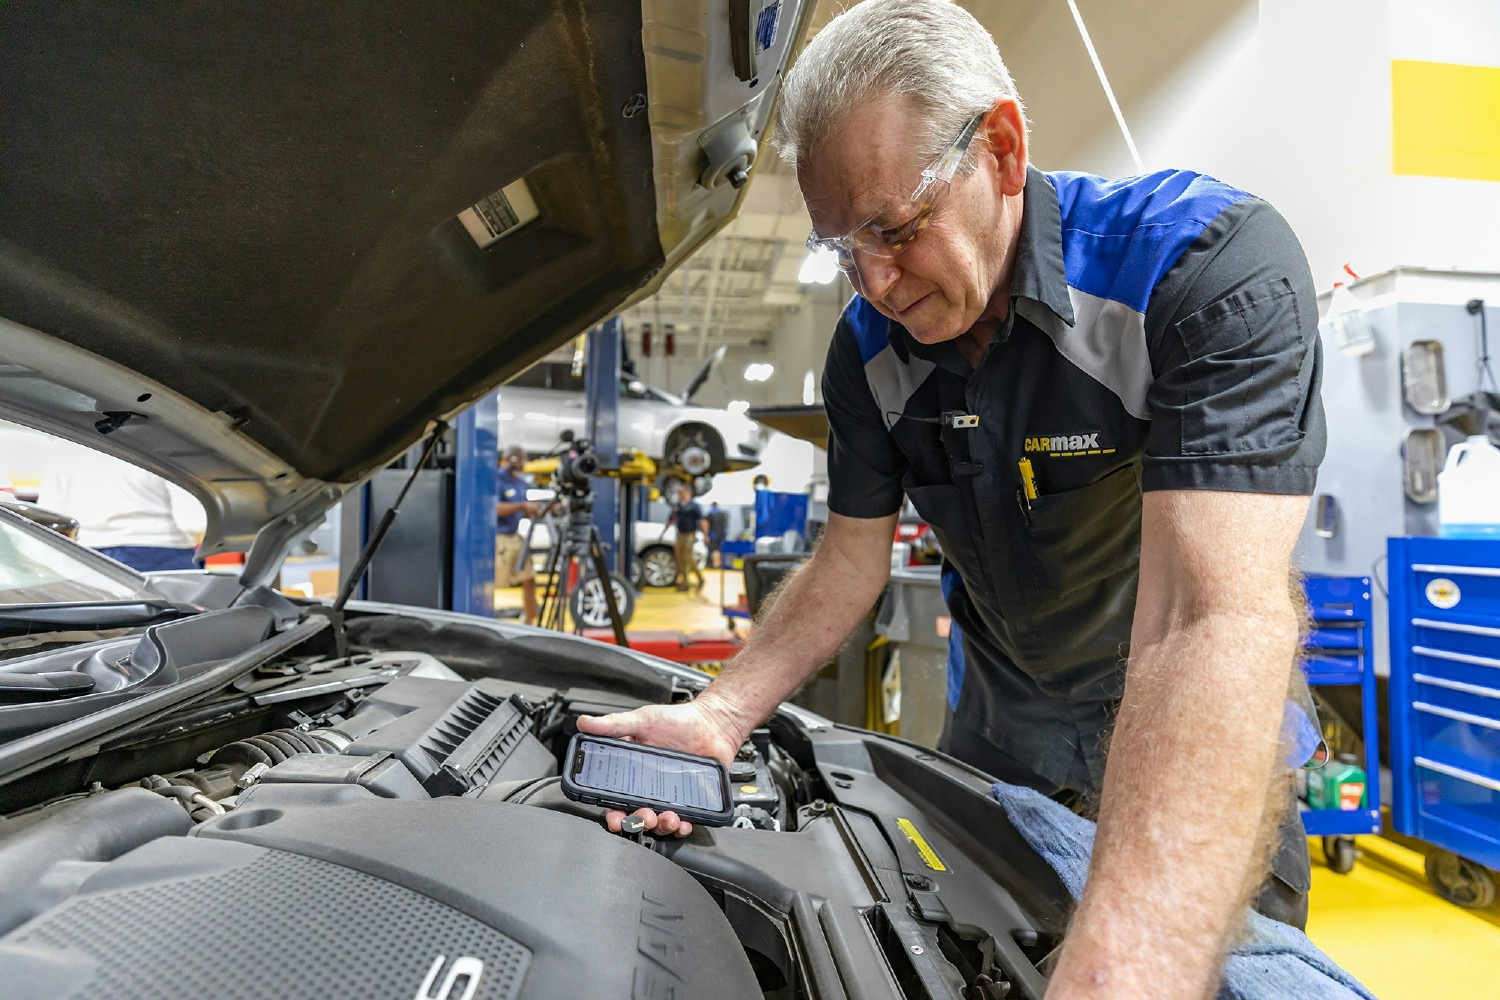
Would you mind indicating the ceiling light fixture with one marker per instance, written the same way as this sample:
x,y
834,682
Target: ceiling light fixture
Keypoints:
x,y
759,372
820,268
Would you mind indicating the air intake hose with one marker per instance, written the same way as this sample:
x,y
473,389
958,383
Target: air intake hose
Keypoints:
x,y
274,747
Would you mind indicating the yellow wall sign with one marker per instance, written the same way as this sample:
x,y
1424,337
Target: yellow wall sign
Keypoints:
x,y
1445,120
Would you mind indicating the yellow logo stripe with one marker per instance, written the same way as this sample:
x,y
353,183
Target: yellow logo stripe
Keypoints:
x,y
924,849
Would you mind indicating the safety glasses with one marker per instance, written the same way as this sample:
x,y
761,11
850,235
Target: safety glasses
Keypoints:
x,y
889,241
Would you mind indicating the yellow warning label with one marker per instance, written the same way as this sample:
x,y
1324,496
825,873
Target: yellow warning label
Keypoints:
x,y
924,849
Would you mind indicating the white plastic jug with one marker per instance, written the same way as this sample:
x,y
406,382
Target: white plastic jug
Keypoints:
x,y
1469,490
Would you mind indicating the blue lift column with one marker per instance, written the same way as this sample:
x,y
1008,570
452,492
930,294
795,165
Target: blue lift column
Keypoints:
x,y
476,490
603,353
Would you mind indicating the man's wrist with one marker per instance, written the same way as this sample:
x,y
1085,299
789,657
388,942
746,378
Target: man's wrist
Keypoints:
x,y
727,713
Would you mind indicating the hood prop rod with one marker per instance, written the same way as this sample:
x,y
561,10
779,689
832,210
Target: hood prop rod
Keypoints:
x,y
362,564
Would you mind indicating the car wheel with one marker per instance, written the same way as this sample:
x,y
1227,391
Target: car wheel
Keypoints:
x,y
659,567
588,606
696,450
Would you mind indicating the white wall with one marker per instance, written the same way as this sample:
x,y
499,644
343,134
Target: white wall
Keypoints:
x,y
1292,100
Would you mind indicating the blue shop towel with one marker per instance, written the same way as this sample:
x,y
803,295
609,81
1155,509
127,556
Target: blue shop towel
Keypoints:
x,y
1276,961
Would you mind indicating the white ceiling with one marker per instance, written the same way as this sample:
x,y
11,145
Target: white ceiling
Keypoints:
x,y
738,288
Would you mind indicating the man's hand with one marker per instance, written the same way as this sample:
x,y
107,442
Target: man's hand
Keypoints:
x,y
799,631
532,508
700,726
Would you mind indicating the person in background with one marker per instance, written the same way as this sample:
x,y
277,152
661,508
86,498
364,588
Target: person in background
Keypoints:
x,y
688,518
133,516
718,528
513,506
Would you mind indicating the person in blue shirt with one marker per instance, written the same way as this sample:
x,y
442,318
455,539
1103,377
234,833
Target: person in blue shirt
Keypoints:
x,y
688,518
510,570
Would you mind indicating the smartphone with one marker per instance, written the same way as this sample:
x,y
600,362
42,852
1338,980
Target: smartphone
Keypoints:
x,y
621,775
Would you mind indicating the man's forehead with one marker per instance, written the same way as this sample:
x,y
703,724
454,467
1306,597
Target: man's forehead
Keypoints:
x,y
863,169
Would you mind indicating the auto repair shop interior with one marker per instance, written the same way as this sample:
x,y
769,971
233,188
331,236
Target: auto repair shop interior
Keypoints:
x,y
386,388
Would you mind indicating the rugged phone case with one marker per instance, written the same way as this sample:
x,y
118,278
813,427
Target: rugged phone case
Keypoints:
x,y
614,800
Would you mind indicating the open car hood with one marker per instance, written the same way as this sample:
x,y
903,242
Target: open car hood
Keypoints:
x,y
257,250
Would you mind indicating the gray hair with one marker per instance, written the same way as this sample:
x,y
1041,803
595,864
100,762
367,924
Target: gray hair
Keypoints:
x,y
931,52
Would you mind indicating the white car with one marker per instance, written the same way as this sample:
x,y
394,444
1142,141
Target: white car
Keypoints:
x,y
547,399
656,558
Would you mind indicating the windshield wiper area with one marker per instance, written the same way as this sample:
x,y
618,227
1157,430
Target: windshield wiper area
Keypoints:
x,y
27,619
16,688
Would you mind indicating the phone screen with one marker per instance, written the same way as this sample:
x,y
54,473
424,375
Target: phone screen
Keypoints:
x,y
642,774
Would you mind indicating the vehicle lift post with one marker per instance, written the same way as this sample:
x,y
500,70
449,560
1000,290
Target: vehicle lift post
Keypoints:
x,y
604,348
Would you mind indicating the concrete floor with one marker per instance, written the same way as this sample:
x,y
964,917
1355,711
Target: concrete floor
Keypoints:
x,y
1382,922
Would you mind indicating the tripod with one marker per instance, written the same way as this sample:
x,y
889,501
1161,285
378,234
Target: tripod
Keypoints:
x,y
579,544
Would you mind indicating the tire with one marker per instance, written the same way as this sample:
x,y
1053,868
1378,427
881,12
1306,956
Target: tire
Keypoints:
x,y
658,567
586,603
697,436
1460,881
1339,853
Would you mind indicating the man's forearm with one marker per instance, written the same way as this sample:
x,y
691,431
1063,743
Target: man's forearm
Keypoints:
x,y
1184,798
802,630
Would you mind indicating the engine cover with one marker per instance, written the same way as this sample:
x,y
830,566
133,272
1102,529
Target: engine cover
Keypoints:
x,y
332,891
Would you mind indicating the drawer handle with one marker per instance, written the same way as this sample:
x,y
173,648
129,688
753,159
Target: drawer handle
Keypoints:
x,y
1443,654
1449,713
1459,773
1493,633
1443,682
1455,570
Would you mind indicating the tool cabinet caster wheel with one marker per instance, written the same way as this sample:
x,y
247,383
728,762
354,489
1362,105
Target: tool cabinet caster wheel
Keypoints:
x,y
1339,852
1460,881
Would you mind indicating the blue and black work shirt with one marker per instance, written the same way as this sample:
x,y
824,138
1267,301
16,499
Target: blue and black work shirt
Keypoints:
x,y
512,490
687,517
1162,335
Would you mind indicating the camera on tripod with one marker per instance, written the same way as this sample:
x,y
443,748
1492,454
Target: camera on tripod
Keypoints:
x,y
576,464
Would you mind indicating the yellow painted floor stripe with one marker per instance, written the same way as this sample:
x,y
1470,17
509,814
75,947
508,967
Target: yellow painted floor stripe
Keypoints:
x,y
1384,924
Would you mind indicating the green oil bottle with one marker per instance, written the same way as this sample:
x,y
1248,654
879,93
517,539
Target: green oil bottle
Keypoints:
x,y
1339,785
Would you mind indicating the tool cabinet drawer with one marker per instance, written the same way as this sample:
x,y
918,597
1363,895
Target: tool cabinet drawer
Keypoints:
x,y
1466,739
1449,635
1456,588
1451,666
1457,795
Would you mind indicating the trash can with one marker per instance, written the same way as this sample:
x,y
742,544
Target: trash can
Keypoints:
x,y
914,620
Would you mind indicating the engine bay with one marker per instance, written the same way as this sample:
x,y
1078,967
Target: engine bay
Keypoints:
x,y
385,811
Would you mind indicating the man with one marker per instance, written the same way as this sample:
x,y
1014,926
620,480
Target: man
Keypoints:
x,y
133,516
1103,396
510,570
688,519
718,528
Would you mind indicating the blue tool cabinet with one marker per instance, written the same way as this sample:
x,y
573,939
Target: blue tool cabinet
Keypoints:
x,y
1445,697
1338,651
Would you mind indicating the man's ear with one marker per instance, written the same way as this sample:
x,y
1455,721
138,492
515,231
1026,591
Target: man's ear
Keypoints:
x,y
1005,131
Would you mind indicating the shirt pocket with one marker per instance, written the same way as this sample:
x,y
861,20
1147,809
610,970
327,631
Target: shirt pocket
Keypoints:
x,y
1243,387
1078,538
942,506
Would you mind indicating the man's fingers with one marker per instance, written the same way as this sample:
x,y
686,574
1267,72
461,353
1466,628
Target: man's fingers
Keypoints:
x,y
612,820
668,822
604,725
684,829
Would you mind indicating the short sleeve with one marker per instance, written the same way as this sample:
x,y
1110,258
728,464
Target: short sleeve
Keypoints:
x,y
1236,361
865,467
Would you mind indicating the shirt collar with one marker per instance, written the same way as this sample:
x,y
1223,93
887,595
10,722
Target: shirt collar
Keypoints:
x,y
1040,274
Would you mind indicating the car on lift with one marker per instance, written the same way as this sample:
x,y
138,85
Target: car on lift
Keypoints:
x,y
261,252
655,563
548,398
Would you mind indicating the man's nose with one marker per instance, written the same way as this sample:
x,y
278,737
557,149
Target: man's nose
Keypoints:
x,y
876,274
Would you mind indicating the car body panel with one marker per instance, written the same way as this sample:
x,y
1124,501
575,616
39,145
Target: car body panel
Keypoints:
x,y
264,298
